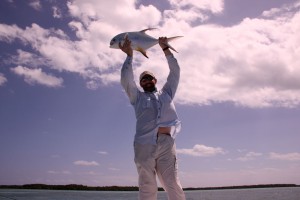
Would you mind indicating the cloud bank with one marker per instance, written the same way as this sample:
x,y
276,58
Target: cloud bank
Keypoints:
x,y
253,63
37,76
250,156
201,151
2,79
285,157
86,163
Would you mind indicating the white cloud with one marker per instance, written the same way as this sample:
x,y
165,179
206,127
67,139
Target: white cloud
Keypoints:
x,y
214,6
193,10
285,157
27,58
201,151
90,56
247,64
35,4
285,10
271,12
102,152
2,79
86,163
115,13
50,45
37,76
113,169
254,63
65,172
56,12
250,156
9,33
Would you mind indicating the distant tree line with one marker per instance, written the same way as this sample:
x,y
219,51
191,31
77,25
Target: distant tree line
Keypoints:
x,y
244,187
129,188
70,187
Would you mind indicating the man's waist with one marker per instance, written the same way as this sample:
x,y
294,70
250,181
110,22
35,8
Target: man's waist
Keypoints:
x,y
164,130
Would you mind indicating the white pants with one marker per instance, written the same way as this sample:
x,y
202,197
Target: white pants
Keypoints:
x,y
158,159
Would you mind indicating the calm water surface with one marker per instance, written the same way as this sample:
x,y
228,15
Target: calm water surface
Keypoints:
x,y
241,194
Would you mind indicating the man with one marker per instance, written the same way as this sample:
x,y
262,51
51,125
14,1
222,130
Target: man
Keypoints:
x,y
156,127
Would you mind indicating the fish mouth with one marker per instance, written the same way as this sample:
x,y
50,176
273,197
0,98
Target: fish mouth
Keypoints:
x,y
111,44
113,47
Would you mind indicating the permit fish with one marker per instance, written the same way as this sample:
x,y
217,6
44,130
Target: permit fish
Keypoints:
x,y
140,41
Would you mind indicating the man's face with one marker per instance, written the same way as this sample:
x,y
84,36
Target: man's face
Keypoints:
x,y
148,83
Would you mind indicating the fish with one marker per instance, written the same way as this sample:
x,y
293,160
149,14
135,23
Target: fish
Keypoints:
x,y
140,41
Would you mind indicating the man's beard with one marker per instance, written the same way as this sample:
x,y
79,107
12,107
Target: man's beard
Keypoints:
x,y
149,87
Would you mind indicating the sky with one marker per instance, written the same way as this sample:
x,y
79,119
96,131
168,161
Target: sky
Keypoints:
x,y
65,119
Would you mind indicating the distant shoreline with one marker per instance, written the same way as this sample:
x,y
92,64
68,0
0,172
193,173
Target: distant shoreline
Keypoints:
x,y
132,188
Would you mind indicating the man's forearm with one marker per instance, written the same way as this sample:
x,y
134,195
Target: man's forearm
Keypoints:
x,y
126,72
127,80
167,52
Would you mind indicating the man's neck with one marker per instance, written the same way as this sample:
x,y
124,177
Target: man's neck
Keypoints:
x,y
150,90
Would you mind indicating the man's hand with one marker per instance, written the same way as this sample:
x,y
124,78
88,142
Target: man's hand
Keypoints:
x,y
163,43
126,48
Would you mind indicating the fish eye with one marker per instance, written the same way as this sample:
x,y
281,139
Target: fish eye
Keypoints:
x,y
112,42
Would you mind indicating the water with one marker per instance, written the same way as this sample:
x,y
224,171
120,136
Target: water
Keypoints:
x,y
240,194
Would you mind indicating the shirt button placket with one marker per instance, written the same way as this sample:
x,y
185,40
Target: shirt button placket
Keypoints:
x,y
159,110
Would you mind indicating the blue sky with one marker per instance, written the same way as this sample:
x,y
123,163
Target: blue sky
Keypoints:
x,y
65,119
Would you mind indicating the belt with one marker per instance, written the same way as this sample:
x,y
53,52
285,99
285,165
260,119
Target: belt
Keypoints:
x,y
164,134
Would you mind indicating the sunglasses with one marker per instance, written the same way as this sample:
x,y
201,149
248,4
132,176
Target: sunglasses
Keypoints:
x,y
147,78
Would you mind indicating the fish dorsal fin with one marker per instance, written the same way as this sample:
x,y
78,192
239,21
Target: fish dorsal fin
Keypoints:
x,y
148,29
142,51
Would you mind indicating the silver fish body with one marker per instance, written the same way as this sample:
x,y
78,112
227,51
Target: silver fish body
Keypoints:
x,y
140,41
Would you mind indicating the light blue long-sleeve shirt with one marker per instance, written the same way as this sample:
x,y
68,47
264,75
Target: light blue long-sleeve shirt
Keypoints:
x,y
152,109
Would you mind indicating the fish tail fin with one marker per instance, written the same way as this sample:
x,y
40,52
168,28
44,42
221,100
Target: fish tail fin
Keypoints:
x,y
170,39
173,38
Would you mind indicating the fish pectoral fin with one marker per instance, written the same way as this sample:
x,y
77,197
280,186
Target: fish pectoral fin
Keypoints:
x,y
142,51
171,47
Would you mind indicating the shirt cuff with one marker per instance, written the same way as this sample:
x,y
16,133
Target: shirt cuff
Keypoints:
x,y
171,56
128,59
